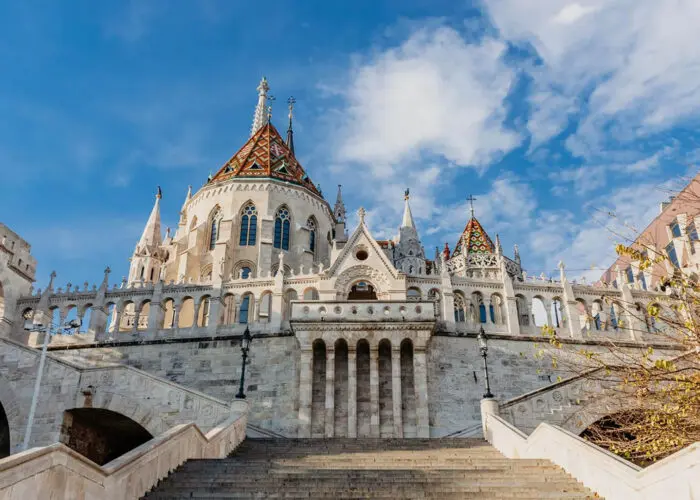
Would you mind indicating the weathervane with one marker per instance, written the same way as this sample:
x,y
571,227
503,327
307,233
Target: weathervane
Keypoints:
x,y
471,201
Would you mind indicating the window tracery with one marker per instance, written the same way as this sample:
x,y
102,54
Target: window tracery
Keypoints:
x,y
282,228
249,225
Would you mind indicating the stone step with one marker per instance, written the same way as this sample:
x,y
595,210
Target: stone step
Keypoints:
x,y
342,469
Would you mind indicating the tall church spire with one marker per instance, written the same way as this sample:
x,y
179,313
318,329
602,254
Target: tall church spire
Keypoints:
x,y
407,215
290,132
261,111
339,209
151,236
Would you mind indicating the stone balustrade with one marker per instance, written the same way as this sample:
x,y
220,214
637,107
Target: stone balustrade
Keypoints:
x,y
610,476
362,311
57,471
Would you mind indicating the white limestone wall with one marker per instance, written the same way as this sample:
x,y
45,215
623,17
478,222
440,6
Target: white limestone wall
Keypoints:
x,y
192,237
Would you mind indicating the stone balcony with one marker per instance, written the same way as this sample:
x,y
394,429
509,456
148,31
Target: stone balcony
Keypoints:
x,y
362,311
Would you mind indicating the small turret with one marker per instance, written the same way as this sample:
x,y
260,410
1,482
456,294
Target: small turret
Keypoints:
x,y
409,254
148,254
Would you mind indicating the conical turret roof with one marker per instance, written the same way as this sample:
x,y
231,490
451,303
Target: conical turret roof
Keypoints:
x,y
265,155
473,240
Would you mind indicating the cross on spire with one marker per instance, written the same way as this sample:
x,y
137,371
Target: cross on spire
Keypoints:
x,y
471,201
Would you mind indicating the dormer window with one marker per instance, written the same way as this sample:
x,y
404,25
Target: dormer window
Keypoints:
x,y
630,275
692,232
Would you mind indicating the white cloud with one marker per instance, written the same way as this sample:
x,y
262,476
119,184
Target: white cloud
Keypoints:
x,y
433,93
617,217
633,56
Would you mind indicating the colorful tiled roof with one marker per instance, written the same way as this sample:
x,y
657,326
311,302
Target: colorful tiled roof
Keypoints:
x,y
474,239
265,155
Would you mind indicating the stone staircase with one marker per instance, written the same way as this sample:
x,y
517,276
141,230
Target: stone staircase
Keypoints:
x,y
368,468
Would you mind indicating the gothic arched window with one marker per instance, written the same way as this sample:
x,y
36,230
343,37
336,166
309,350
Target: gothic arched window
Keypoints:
x,y
249,225
311,225
243,312
459,308
215,222
282,226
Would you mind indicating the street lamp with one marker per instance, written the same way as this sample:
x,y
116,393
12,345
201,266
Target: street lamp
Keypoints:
x,y
245,346
483,347
30,326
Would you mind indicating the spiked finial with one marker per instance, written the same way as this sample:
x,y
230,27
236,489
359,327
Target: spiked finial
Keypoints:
x,y
159,193
406,194
361,214
52,277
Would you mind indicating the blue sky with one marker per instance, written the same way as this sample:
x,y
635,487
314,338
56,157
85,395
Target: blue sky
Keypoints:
x,y
552,115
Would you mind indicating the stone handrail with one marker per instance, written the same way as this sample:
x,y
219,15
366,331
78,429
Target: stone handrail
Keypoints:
x,y
57,471
609,475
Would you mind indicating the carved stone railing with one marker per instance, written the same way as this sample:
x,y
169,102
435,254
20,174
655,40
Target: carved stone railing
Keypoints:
x,y
362,311
57,471
608,475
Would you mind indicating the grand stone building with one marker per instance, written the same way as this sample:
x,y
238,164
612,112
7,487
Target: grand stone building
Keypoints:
x,y
352,336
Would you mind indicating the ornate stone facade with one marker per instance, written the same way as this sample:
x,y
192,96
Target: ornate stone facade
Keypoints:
x,y
352,336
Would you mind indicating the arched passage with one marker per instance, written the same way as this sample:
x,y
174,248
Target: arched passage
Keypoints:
x,y
4,433
101,435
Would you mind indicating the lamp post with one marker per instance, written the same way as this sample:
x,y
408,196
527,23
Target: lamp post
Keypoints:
x,y
245,346
46,330
484,349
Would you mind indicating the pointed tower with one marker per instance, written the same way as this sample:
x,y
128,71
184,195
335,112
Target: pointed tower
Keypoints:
x,y
339,215
147,257
290,132
409,254
260,116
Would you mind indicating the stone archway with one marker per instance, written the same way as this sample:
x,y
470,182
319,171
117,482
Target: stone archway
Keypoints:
x,y
348,278
5,441
101,435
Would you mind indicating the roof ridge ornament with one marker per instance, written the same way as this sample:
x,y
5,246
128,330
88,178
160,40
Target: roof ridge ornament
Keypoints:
x,y
361,214
290,133
259,116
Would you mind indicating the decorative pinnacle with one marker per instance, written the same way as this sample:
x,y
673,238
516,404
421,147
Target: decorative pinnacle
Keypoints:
x,y
159,193
52,276
406,194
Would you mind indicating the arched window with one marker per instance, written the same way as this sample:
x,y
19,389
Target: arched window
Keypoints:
x,y
282,224
152,271
245,273
215,222
459,308
249,225
243,314
311,225
143,271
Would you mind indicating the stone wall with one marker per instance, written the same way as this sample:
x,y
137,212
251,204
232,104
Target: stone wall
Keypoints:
x,y
214,368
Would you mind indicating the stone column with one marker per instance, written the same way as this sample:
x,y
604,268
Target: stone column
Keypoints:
x,y
176,315
511,304
548,311
155,316
98,323
305,379
352,392
396,390
214,315
330,390
195,320
117,318
137,315
487,308
374,390
420,374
